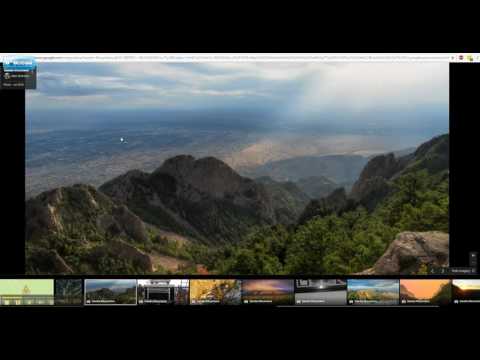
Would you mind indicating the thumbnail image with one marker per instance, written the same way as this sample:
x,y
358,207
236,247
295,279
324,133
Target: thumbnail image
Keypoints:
x,y
466,291
110,292
221,291
68,292
269,292
162,291
373,292
320,292
425,292
26,292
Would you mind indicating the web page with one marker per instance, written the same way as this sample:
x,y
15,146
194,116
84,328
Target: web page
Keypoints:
x,y
238,179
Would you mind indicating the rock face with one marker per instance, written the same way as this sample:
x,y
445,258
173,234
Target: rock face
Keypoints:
x,y
409,251
433,155
289,201
208,175
405,293
213,179
337,202
375,181
80,208
130,223
74,225
372,185
371,191
383,166
81,229
48,261
202,198
122,250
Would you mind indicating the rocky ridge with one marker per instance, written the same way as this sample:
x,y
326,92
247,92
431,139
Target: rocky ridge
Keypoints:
x,y
410,251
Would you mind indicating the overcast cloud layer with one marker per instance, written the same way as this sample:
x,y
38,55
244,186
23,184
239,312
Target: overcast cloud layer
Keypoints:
x,y
292,91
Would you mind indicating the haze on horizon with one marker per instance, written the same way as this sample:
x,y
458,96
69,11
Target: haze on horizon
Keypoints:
x,y
245,114
271,96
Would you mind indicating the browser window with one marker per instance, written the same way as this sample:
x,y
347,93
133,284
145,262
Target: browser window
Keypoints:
x,y
242,180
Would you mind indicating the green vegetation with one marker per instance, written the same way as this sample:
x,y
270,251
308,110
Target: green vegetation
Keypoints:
x,y
162,245
333,242
371,294
107,264
127,296
79,229
420,203
336,243
158,216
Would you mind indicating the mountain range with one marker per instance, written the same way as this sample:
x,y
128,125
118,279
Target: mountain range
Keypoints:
x,y
376,180
406,294
338,168
82,229
205,199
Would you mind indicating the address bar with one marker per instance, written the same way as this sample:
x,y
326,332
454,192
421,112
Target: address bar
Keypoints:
x,y
234,57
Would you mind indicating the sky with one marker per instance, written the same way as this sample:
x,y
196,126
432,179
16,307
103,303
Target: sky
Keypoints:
x,y
268,285
291,91
380,285
423,289
467,284
36,286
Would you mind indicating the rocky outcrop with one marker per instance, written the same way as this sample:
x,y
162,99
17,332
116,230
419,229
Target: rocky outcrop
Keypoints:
x,y
370,192
405,293
208,175
118,249
69,228
131,223
60,210
126,251
380,166
409,251
75,209
337,202
47,261
375,181
212,177
439,144
204,198
433,156
124,187
289,201
372,185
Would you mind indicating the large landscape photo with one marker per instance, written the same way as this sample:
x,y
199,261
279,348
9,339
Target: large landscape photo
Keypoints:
x,y
241,168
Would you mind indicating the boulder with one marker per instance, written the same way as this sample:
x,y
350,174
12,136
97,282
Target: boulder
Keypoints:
x,y
409,251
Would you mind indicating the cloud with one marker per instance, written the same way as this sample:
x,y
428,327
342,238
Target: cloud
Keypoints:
x,y
142,85
359,87
111,284
293,91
